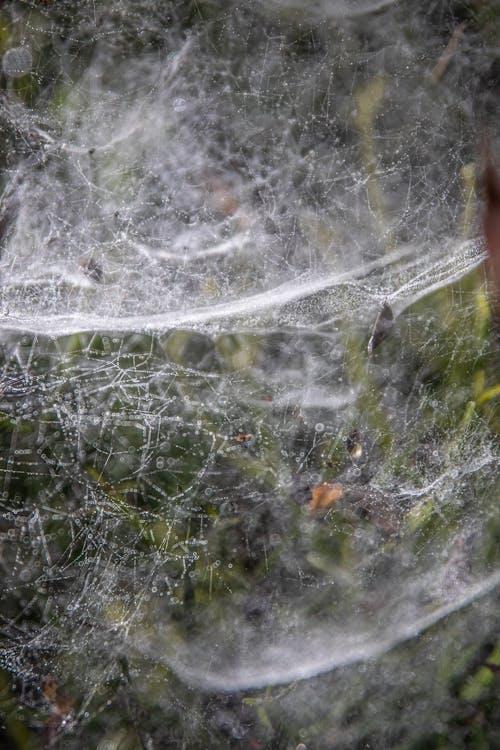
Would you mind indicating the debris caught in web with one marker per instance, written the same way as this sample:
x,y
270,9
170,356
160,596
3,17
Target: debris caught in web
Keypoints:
x,y
382,328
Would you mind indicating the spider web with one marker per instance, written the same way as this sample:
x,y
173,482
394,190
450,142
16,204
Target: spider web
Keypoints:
x,y
204,208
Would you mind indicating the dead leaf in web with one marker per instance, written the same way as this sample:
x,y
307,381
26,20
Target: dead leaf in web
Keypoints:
x,y
325,495
61,710
243,437
60,705
382,328
50,689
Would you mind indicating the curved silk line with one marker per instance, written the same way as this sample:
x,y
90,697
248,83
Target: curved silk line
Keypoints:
x,y
281,665
262,302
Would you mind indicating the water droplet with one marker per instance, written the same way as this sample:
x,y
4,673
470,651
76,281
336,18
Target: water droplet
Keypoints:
x,y
17,62
180,104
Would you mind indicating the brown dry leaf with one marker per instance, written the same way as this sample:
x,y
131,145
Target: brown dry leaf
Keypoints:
x,y
50,689
243,437
59,704
63,706
61,711
324,495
